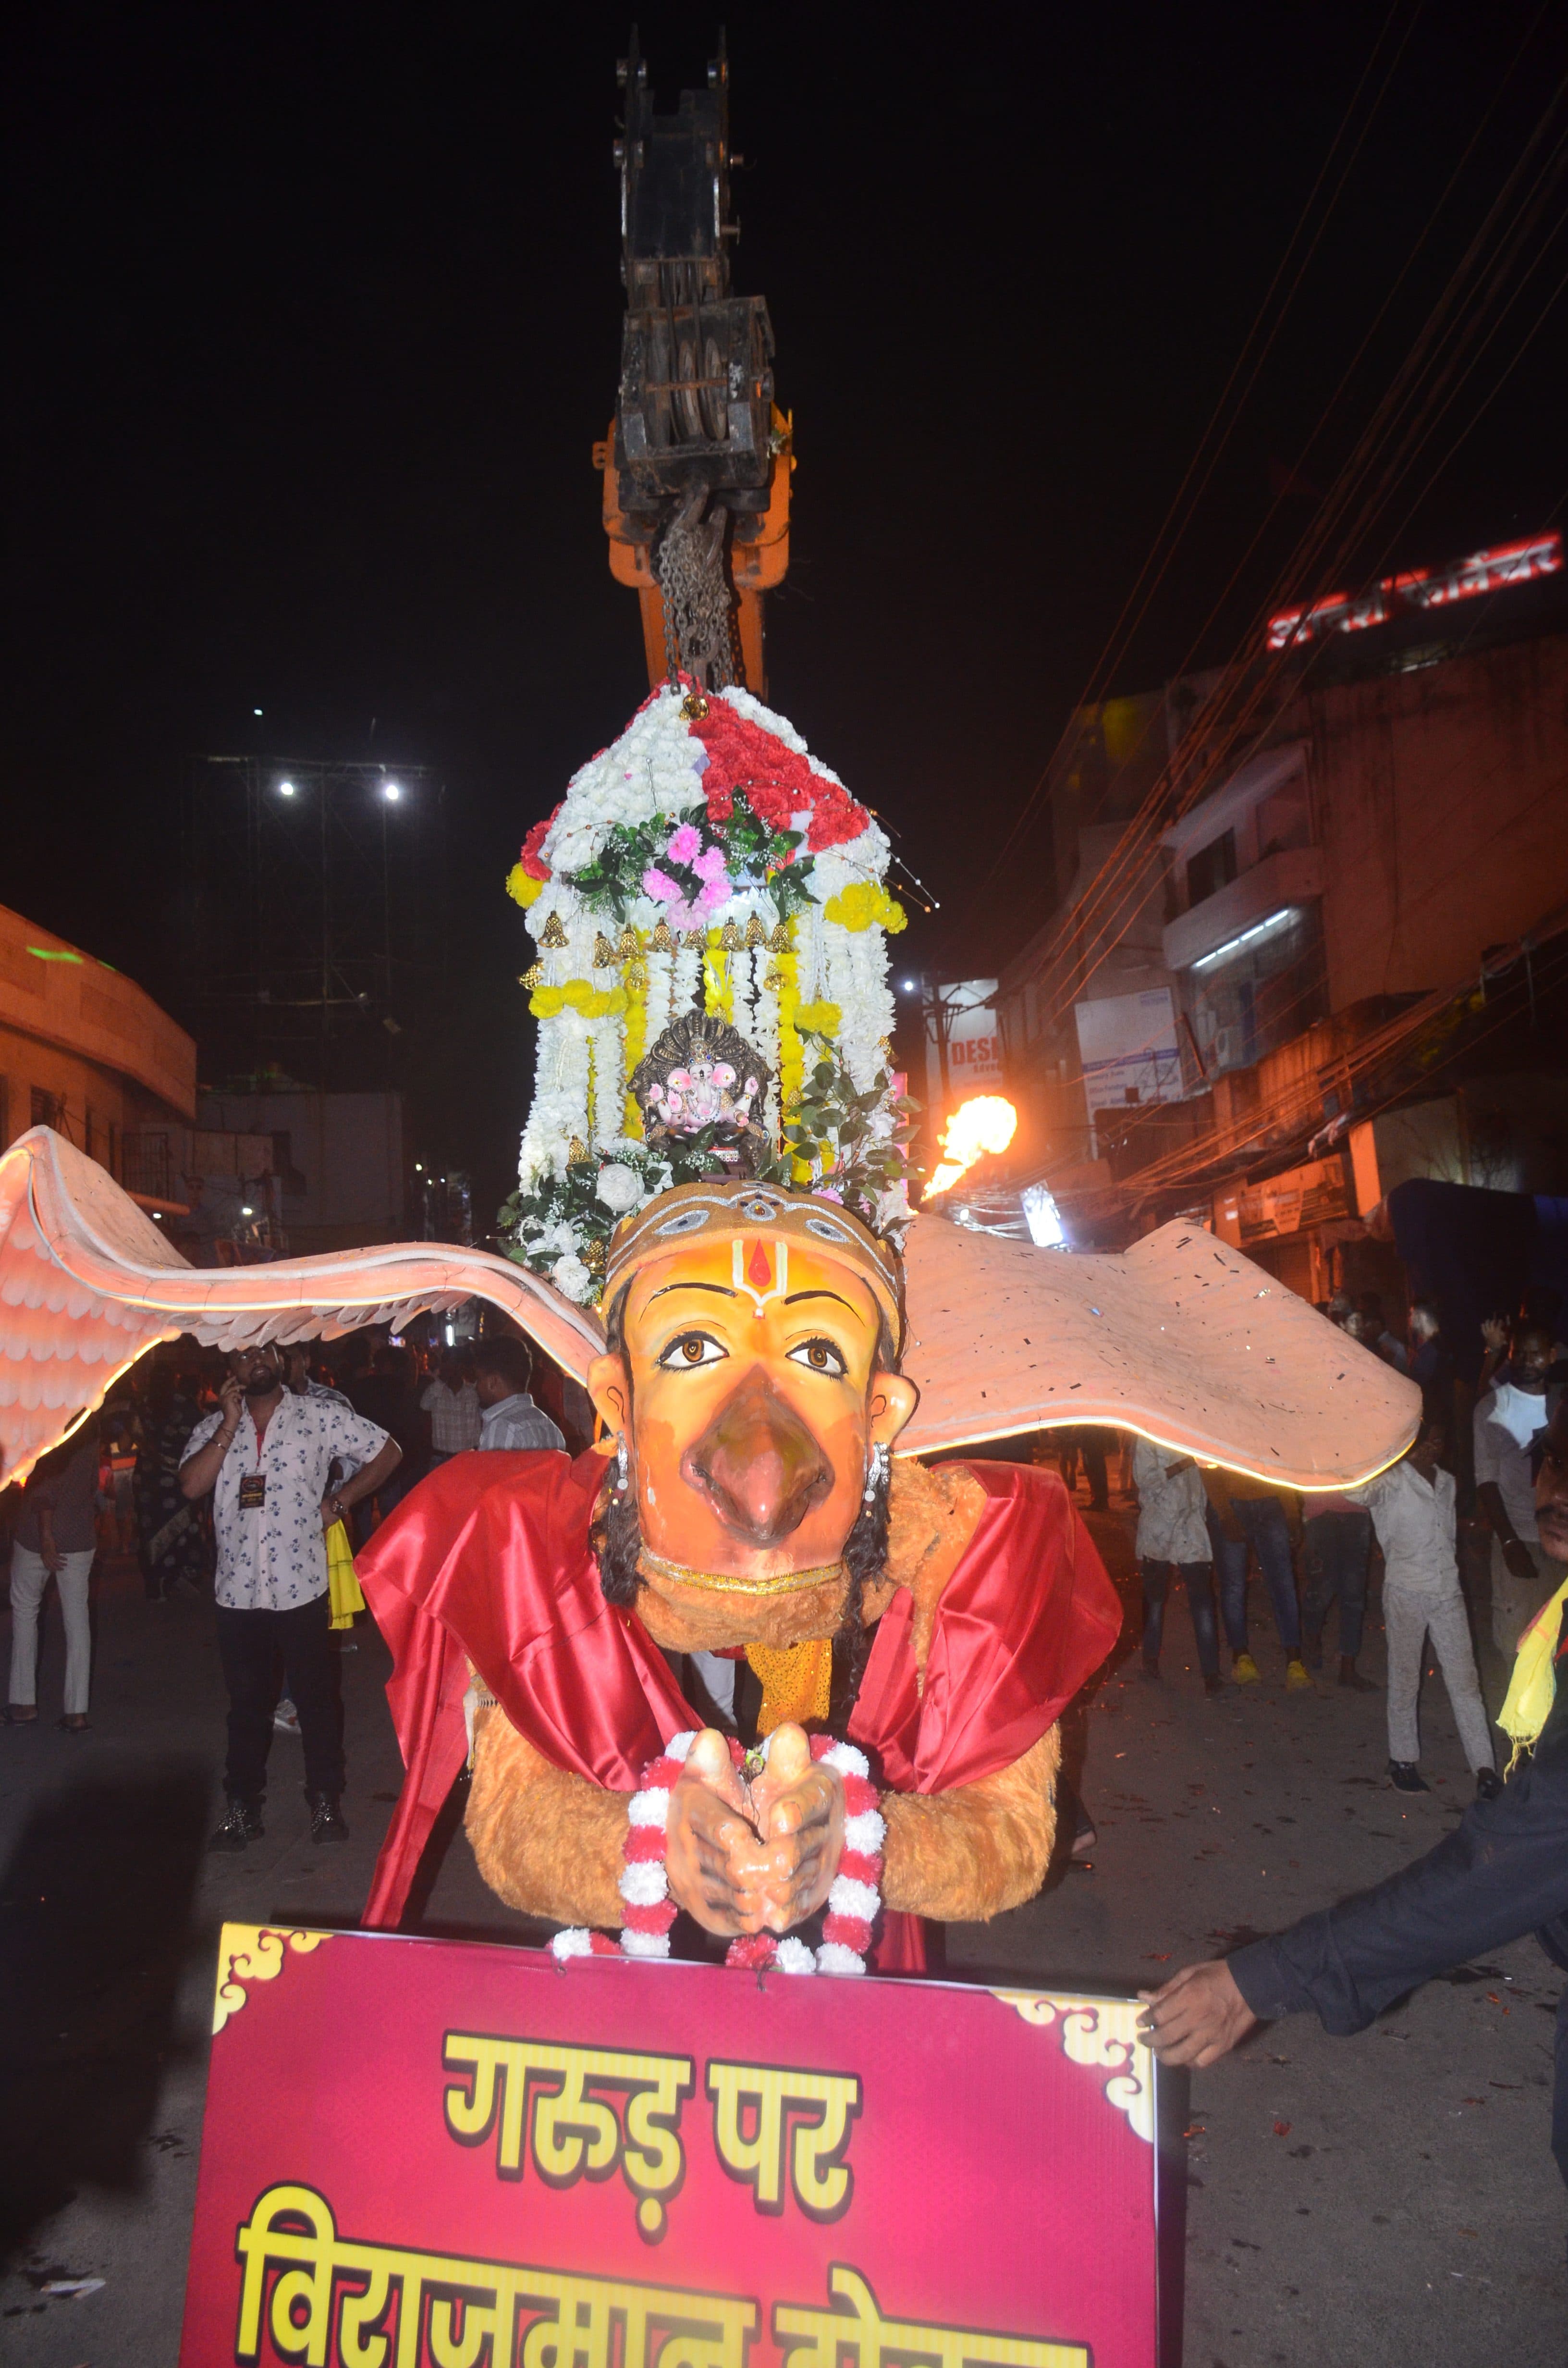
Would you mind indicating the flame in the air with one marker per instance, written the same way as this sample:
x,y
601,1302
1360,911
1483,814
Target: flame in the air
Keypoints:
x,y
986,1123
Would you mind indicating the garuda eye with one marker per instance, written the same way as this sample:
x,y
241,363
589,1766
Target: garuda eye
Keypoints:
x,y
820,1357
691,1350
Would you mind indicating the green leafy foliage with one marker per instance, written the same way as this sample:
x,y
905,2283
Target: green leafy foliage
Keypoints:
x,y
755,856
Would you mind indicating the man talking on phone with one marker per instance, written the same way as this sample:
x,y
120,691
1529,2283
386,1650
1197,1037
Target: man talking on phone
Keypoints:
x,y
266,1455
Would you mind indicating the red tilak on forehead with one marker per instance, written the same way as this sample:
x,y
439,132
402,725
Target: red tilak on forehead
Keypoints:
x,y
759,1268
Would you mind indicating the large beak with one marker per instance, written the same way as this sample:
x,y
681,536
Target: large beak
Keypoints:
x,y
758,1465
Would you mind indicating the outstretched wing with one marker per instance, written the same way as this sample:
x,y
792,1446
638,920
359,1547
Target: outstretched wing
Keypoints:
x,y
87,1282
1180,1337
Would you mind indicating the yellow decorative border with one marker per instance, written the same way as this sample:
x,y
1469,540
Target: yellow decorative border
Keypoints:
x,y
254,1953
1102,2035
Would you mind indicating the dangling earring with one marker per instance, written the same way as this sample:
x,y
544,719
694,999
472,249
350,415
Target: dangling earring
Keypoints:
x,y
620,1465
876,1473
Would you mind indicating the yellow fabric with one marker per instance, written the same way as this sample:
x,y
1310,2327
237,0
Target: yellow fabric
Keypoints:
x,y
1532,1689
797,1682
341,1587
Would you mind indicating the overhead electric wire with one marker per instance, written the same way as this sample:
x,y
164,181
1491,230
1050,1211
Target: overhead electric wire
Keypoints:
x,y
1106,884
1128,858
1117,641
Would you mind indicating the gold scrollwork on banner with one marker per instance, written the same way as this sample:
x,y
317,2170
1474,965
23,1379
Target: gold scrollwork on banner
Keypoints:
x,y
535,2097
254,1953
772,2098
815,2339
398,2308
1102,2035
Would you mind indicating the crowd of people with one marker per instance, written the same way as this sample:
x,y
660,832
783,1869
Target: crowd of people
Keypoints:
x,y
189,1448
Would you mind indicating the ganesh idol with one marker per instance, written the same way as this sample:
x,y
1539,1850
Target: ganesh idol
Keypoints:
x,y
712,1234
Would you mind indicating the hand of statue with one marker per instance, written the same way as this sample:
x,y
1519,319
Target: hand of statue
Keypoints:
x,y
1198,2016
713,1860
799,1808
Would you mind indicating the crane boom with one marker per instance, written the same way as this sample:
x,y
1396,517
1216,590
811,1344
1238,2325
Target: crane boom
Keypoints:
x,y
698,460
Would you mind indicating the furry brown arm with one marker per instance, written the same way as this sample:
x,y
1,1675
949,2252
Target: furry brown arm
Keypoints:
x,y
963,1856
548,1843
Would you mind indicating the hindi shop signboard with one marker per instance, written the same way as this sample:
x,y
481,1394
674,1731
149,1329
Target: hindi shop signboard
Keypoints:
x,y
424,2154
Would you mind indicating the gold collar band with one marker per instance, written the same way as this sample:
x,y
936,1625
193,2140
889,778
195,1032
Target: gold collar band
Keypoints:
x,y
788,1582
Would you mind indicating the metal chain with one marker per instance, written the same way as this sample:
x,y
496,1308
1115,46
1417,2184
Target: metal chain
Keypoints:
x,y
689,563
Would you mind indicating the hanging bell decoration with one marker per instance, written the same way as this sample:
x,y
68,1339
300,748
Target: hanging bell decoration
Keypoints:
x,y
532,978
755,934
778,943
577,1153
604,952
593,1256
730,939
694,707
694,940
774,981
555,936
664,940
626,944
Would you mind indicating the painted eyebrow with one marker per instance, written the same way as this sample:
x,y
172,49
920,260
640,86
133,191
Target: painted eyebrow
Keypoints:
x,y
722,1290
796,1296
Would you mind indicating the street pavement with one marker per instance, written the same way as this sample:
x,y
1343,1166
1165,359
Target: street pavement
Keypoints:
x,y
1387,2199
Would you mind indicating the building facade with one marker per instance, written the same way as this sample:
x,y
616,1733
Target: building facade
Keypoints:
x,y
1328,973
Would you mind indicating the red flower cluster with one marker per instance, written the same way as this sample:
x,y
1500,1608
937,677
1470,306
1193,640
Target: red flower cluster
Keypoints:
x,y
776,782
530,859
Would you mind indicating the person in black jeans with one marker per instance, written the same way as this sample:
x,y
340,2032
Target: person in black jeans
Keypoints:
x,y
1501,1873
1336,1549
266,1456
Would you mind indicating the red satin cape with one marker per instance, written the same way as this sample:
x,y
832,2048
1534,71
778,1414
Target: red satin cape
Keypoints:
x,y
488,1562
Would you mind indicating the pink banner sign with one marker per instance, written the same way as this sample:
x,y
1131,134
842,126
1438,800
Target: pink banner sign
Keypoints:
x,y
430,2154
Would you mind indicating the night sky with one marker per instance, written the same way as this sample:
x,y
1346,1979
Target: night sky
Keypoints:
x,y
315,317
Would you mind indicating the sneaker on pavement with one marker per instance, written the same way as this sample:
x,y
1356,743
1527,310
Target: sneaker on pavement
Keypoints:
x,y
1351,1678
326,1819
1488,1784
1244,1670
286,1718
1405,1777
1296,1678
241,1826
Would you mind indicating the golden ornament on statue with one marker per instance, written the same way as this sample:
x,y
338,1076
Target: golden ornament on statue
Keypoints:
x,y
694,940
626,944
664,940
755,934
533,976
774,981
577,1153
730,939
778,943
604,952
694,707
554,934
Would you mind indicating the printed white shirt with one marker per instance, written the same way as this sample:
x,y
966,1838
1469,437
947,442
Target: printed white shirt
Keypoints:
x,y
273,1556
1414,1522
1170,1506
517,1422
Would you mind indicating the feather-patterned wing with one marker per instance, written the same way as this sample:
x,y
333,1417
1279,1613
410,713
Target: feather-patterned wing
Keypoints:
x,y
88,1283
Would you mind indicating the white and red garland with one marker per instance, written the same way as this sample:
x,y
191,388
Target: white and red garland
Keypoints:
x,y
854,1901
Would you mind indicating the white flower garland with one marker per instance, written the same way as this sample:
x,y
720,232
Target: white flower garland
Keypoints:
x,y
854,1899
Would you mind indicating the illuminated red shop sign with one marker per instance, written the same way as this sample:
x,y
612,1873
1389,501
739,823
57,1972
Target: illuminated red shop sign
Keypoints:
x,y
1424,587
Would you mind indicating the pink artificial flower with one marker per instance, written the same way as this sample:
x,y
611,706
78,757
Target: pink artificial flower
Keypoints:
x,y
828,1192
684,917
687,844
659,885
714,892
709,865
